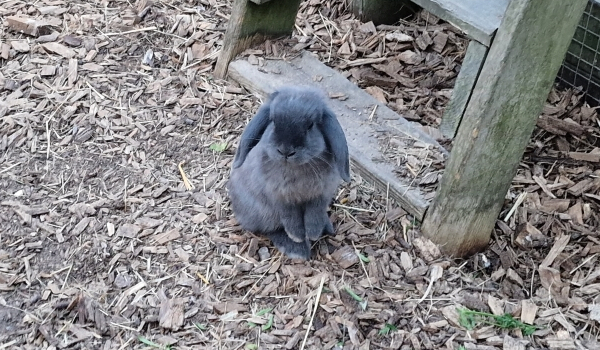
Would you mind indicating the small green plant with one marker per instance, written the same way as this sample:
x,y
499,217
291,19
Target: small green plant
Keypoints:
x,y
251,346
470,319
200,326
153,344
361,302
387,328
218,146
462,348
269,324
363,258
264,311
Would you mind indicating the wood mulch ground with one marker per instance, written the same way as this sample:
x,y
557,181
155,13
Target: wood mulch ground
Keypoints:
x,y
115,229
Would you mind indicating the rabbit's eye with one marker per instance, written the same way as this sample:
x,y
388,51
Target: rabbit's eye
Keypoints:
x,y
310,126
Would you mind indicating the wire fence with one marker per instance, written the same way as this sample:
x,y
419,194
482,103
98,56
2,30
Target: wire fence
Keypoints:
x,y
581,66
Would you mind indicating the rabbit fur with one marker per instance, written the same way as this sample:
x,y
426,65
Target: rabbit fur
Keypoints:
x,y
289,163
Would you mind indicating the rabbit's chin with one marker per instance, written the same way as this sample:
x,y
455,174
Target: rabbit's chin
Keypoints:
x,y
293,161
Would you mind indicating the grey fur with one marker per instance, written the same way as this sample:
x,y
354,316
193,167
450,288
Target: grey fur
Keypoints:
x,y
291,159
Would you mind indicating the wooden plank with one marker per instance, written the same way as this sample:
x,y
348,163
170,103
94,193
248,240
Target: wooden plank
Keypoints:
x,y
251,23
509,95
465,82
353,113
479,19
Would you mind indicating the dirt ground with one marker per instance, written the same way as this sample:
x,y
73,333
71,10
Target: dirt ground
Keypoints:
x,y
111,105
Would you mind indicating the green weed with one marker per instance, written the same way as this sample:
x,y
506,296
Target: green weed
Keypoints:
x,y
470,319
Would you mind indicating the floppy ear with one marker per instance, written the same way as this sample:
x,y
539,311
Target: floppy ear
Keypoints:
x,y
336,140
252,133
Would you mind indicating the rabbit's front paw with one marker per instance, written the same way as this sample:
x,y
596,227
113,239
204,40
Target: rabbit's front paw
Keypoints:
x,y
296,233
329,228
293,224
316,222
291,249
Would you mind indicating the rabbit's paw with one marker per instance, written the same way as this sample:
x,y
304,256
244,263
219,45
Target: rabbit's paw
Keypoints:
x,y
290,248
295,233
329,228
315,227
293,224
316,221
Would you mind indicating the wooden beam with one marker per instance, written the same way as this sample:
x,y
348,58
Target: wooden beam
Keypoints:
x,y
356,110
479,19
251,23
513,85
465,82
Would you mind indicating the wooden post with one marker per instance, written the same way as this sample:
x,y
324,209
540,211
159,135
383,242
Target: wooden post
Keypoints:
x,y
465,82
508,97
251,23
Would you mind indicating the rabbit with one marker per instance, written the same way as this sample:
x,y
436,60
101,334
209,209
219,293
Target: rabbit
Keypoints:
x,y
288,166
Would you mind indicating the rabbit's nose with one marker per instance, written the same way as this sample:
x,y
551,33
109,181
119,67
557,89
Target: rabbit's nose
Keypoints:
x,y
286,152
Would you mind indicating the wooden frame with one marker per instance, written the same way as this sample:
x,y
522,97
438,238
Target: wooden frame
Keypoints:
x,y
498,97
252,22
508,97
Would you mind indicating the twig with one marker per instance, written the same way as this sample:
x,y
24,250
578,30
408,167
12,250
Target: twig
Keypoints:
x,y
186,182
202,278
48,126
518,202
96,91
372,113
300,30
131,31
67,277
125,195
362,264
436,274
10,167
583,263
314,312
259,279
205,58
330,36
352,208
7,345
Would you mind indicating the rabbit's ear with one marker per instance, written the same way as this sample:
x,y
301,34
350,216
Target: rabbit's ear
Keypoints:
x,y
336,140
252,134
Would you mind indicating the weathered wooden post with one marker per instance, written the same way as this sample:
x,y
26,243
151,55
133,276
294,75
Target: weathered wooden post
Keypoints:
x,y
252,21
514,82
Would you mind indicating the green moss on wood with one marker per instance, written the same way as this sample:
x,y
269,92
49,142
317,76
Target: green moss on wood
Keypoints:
x,y
274,18
509,94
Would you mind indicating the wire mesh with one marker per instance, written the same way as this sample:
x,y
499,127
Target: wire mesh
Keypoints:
x,y
581,66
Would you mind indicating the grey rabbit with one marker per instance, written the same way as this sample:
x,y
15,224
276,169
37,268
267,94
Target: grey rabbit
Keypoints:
x,y
289,163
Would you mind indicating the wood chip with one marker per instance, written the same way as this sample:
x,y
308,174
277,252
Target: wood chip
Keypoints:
x,y
59,49
345,256
171,313
27,25
128,230
399,37
410,57
20,45
528,311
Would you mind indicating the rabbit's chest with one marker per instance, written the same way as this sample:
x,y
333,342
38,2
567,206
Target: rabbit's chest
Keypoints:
x,y
300,184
